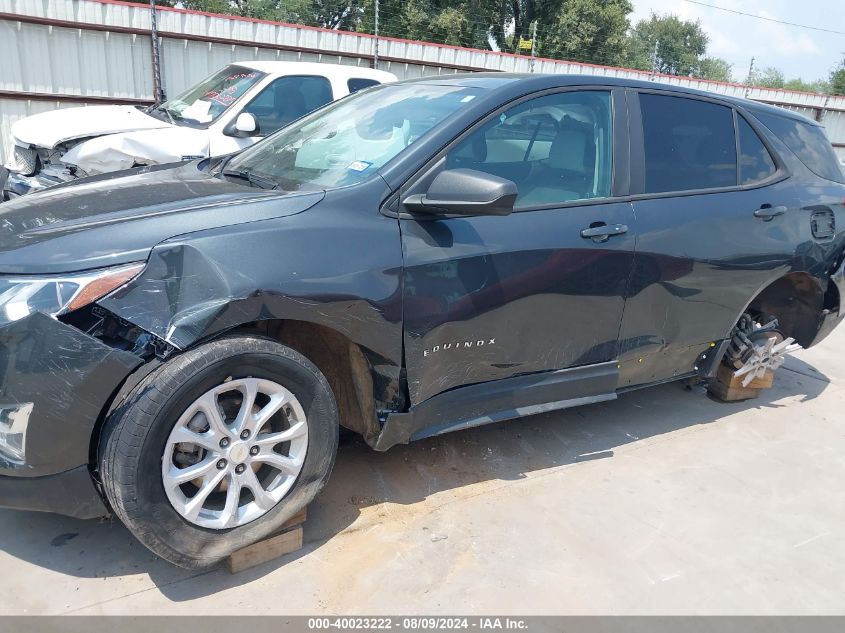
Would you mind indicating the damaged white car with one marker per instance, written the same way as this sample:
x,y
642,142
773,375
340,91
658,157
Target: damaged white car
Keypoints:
x,y
230,110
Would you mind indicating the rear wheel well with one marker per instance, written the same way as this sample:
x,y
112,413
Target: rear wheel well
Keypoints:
x,y
798,302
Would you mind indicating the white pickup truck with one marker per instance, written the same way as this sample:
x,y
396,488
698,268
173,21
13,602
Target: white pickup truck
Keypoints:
x,y
230,110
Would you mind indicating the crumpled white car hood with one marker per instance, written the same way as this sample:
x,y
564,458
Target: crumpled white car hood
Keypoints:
x,y
123,151
48,129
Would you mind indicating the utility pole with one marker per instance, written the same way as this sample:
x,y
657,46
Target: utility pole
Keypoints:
x,y
158,91
750,76
654,68
375,33
820,111
533,44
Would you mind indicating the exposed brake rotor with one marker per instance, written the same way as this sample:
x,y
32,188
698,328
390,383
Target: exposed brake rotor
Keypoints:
x,y
756,349
764,355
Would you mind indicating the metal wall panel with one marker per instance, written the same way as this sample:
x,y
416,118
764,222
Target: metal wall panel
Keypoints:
x,y
60,60
13,109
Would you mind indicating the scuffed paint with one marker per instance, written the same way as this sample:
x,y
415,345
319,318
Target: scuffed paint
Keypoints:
x,y
69,376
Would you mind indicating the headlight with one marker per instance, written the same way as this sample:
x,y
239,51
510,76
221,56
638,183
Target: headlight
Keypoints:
x,y
21,296
13,421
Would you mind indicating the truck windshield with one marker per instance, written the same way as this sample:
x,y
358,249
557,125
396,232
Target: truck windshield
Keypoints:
x,y
210,98
347,141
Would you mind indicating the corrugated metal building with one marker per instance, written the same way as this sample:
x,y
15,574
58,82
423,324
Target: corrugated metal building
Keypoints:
x,y
60,53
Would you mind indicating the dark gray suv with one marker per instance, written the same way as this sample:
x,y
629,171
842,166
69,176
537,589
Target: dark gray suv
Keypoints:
x,y
180,344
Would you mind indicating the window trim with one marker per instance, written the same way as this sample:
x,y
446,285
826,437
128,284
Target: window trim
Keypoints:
x,y
776,159
349,90
638,148
620,159
761,125
737,148
270,83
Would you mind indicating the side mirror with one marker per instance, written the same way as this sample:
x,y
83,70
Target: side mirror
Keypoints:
x,y
465,192
245,125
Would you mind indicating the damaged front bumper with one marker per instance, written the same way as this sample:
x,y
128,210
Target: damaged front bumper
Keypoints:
x,y
71,493
55,383
14,185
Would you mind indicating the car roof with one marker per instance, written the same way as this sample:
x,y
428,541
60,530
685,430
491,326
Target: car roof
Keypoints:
x,y
530,82
332,71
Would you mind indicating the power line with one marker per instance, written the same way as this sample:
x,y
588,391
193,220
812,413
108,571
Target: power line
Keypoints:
x,y
760,17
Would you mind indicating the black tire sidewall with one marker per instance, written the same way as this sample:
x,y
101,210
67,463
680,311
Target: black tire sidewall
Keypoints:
x,y
149,513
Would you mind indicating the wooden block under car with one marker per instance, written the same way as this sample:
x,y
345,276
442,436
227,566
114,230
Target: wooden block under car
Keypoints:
x,y
731,394
728,388
296,519
287,540
726,376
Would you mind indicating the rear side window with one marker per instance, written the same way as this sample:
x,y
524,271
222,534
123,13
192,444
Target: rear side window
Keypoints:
x,y
689,144
755,162
808,142
357,83
286,99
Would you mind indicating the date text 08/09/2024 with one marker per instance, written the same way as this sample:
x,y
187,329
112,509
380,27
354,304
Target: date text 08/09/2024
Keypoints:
x,y
418,623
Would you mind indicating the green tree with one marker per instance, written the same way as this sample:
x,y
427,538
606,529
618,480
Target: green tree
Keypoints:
x,y
819,85
212,6
837,79
771,77
582,30
768,77
592,31
457,22
332,14
715,69
668,45
511,20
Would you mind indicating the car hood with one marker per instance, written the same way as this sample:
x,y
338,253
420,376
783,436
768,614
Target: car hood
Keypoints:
x,y
114,152
117,218
48,129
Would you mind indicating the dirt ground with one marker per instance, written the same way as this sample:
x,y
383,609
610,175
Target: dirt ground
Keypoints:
x,y
662,501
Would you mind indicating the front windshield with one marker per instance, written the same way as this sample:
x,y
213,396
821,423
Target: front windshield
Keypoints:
x,y
347,141
210,98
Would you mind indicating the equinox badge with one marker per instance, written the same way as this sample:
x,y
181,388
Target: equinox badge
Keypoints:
x,y
458,345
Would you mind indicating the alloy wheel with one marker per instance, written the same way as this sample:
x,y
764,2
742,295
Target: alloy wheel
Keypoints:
x,y
234,453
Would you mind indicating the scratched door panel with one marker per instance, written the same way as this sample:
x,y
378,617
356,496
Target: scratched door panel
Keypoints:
x,y
492,297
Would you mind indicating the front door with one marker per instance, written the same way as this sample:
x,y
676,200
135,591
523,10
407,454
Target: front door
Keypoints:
x,y
490,297
279,103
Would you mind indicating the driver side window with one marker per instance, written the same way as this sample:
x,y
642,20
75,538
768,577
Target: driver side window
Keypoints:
x,y
556,148
286,99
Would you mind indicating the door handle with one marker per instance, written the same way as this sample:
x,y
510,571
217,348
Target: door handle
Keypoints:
x,y
602,232
767,212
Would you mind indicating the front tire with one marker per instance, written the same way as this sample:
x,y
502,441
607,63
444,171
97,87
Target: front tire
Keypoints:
x,y
218,448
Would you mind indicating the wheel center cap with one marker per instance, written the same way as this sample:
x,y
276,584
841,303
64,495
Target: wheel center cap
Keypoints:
x,y
239,452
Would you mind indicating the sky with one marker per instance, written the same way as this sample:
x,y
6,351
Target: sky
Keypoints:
x,y
795,51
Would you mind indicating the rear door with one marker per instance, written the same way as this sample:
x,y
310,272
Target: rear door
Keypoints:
x,y
717,222
489,297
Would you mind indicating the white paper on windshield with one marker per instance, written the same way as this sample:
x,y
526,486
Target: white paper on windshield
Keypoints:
x,y
359,165
199,110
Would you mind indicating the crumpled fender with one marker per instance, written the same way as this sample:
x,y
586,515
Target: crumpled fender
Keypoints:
x,y
115,152
335,265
